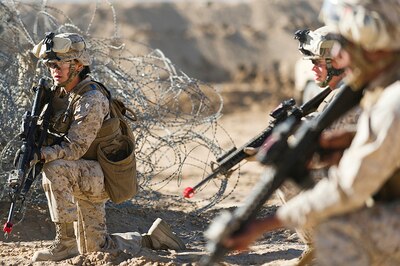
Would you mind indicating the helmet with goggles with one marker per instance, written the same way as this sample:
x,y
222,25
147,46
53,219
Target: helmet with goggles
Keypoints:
x,y
62,47
315,44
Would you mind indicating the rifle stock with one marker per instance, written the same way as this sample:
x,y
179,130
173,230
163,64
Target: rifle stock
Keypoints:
x,y
286,110
291,163
32,135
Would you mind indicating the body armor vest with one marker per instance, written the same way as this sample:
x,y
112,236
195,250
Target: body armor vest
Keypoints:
x,y
61,118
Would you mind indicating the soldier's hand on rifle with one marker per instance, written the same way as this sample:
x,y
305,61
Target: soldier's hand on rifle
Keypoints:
x,y
37,157
253,231
251,151
333,144
339,139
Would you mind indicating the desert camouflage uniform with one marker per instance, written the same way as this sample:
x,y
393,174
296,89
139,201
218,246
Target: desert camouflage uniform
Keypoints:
x,y
73,184
75,187
347,122
359,235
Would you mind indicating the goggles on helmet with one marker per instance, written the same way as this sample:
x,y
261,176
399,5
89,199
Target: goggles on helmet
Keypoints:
x,y
313,45
301,36
49,44
64,46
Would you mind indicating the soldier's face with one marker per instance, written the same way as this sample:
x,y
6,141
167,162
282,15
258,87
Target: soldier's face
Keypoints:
x,y
59,71
319,70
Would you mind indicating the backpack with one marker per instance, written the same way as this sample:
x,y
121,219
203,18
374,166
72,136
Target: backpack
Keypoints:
x,y
114,146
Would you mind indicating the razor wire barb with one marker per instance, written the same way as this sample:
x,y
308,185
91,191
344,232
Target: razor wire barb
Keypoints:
x,y
177,116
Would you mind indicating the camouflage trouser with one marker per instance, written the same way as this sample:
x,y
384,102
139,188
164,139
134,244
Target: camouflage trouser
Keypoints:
x,y
75,193
368,237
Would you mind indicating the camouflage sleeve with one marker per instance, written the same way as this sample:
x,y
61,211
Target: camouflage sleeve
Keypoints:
x,y
364,168
88,115
347,122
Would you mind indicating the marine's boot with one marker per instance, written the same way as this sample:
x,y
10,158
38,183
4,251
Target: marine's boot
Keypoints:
x,y
160,236
64,245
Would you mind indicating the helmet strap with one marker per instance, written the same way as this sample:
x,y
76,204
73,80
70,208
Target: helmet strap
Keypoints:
x,y
331,72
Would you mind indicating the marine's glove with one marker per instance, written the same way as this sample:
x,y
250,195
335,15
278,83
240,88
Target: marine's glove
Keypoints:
x,y
332,145
37,157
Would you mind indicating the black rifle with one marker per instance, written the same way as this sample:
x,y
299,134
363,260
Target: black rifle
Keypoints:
x,y
288,160
286,110
32,136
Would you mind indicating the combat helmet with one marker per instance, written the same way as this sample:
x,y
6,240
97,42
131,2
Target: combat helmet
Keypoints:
x,y
314,44
317,45
67,47
374,25
63,46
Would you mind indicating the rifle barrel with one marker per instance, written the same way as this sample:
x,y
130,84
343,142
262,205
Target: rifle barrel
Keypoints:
x,y
232,158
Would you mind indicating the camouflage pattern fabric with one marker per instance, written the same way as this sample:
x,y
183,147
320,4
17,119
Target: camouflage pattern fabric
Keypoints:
x,y
75,193
75,187
350,240
346,122
129,242
371,24
88,115
66,181
91,225
160,94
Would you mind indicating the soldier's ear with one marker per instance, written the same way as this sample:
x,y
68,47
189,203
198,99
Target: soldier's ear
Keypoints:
x,y
78,65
